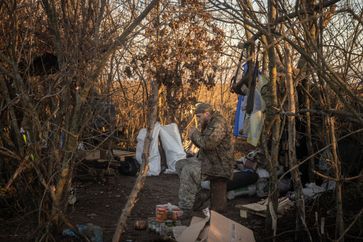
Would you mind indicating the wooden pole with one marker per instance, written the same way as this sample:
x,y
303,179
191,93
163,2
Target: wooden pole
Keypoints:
x,y
300,204
139,184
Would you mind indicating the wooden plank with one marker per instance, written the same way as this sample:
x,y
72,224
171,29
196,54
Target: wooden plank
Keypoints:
x,y
96,154
260,207
256,207
245,213
123,153
92,155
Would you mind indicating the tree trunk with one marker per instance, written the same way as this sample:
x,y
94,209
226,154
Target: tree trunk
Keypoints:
x,y
300,205
309,143
311,39
339,181
271,220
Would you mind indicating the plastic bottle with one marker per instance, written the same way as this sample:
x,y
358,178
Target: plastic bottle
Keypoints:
x,y
249,190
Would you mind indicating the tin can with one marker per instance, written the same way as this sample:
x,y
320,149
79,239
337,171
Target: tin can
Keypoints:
x,y
161,214
176,214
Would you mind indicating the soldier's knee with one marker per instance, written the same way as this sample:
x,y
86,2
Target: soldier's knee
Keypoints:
x,y
179,165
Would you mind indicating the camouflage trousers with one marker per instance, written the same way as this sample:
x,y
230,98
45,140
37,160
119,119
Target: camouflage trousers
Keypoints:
x,y
189,171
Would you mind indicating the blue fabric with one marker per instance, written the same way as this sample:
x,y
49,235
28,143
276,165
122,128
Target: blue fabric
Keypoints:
x,y
239,117
245,67
247,170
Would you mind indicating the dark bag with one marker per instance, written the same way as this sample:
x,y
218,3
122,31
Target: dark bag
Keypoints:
x,y
129,167
252,87
246,78
236,85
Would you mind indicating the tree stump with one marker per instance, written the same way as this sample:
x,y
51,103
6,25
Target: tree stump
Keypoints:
x,y
218,192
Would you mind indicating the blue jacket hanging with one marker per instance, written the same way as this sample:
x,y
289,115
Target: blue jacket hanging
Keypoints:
x,y
239,117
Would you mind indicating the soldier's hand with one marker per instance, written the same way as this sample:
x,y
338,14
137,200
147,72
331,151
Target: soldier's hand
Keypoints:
x,y
191,131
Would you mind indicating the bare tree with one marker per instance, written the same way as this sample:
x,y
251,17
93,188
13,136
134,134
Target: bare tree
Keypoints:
x,y
54,88
326,39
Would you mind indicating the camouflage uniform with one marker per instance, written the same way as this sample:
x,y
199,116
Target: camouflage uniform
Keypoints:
x,y
190,179
215,148
214,159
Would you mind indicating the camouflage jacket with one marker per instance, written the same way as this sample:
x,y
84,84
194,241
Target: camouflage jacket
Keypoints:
x,y
215,148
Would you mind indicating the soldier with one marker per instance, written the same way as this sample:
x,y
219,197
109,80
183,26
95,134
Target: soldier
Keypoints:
x,y
213,162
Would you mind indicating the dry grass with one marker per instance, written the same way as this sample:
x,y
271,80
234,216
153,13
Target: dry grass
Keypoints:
x,y
130,100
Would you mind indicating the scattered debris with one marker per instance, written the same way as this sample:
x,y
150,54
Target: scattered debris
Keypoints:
x,y
91,215
248,190
140,225
311,190
167,217
89,230
72,198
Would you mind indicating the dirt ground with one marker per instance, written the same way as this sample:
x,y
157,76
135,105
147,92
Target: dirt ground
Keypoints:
x,y
100,200
101,203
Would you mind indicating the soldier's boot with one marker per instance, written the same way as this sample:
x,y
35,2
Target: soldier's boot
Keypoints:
x,y
218,190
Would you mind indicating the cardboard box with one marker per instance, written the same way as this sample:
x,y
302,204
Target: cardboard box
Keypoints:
x,y
219,229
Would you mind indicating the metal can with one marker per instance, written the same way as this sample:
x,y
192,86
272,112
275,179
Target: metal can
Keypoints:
x,y
161,214
176,214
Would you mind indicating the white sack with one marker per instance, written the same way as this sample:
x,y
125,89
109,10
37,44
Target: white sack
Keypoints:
x,y
154,158
253,123
172,145
255,129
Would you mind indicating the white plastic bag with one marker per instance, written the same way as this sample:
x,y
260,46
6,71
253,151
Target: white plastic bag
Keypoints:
x,y
154,158
172,145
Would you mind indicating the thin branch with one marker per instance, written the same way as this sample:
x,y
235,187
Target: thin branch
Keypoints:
x,y
350,225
